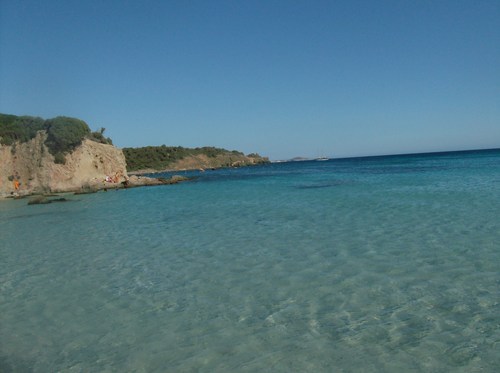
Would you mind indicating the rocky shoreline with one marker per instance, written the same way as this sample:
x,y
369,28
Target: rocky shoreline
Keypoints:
x,y
28,168
131,182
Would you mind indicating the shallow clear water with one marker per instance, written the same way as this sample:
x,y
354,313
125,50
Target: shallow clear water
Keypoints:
x,y
362,265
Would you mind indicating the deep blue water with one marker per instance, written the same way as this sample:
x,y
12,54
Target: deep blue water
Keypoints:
x,y
381,264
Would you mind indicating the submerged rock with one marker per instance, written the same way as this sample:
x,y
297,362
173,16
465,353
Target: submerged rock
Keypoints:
x,y
43,200
38,200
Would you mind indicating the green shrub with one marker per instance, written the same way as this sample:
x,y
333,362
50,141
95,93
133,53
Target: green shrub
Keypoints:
x,y
65,134
98,136
59,158
19,129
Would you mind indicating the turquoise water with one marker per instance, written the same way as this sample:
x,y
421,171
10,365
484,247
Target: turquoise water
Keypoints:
x,y
384,264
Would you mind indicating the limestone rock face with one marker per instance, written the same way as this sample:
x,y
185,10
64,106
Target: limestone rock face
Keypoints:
x,y
34,167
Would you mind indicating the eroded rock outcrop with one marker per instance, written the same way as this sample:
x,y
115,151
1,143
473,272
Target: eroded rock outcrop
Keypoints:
x,y
33,166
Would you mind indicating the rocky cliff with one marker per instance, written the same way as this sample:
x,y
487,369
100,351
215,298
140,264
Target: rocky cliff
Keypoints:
x,y
29,167
33,166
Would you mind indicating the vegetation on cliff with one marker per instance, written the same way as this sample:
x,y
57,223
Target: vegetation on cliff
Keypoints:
x,y
64,134
163,157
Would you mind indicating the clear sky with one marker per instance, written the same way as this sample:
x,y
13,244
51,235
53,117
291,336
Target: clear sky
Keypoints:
x,y
282,78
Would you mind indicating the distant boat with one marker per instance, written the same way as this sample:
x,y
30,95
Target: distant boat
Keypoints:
x,y
322,159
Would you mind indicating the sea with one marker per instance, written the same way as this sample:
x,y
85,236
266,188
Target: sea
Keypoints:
x,y
378,264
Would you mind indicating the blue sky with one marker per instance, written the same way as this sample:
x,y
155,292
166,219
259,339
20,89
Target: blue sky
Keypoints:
x,y
282,78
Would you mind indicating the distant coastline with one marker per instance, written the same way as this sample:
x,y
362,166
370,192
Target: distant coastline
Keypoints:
x,y
151,159
424,154
412,154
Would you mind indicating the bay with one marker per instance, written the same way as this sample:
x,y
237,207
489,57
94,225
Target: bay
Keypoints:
x,y
366,264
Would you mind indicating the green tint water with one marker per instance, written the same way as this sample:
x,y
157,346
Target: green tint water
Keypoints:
x,y
363,265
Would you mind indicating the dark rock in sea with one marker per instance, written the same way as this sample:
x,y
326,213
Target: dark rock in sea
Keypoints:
x,y
38,200
43,200
59,200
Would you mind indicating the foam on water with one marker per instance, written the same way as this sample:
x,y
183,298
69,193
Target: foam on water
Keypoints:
x,y
380,264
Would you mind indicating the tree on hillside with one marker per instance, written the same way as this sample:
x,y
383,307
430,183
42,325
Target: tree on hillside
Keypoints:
x,y
64,134
98,136
21,129
31,126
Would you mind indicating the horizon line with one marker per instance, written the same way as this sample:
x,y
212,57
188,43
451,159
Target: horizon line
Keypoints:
x,y
305,159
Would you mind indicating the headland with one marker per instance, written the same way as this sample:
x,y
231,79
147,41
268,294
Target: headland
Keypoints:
x,y
40,157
